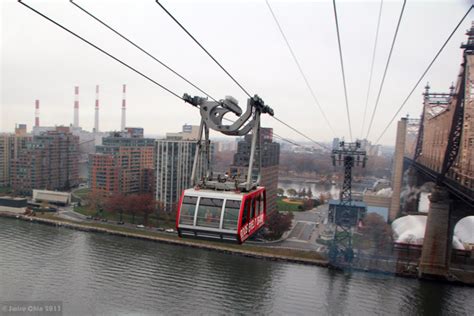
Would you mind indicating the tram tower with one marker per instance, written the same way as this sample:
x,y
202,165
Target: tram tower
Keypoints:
x,y
345,216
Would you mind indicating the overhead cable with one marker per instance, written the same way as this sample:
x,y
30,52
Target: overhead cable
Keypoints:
x,y
141,49
202,47
423,74
342,69
386,68
313,94
102,51
371,69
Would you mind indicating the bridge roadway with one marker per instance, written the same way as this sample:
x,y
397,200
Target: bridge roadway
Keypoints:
x,y
453,186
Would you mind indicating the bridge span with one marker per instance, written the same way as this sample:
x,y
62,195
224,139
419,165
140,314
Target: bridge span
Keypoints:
x,y
439,147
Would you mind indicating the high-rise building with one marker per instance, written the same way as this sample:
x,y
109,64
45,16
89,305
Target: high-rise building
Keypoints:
x,y
123,164
10,146
270,163
174,164
46,161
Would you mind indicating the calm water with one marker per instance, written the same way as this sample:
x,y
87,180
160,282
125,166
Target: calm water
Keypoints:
x,y
110,275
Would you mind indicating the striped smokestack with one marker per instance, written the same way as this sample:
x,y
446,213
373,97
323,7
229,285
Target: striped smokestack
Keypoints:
x,y
96,118
76,107
37,113
124,107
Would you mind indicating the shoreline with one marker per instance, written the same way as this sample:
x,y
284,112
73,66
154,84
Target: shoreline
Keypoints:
x,y
245,250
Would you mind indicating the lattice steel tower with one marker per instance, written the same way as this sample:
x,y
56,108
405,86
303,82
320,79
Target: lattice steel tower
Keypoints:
x,y
345,216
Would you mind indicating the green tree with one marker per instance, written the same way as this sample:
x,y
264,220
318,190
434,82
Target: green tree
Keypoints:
x,y
291,192
280,191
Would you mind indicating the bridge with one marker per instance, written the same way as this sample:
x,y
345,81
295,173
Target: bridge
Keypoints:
x,y
439,147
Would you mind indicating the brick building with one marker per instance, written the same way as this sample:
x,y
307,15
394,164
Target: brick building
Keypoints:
x,y
47,161
124,163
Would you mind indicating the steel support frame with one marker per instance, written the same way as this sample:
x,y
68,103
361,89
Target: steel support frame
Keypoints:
x,y
341,245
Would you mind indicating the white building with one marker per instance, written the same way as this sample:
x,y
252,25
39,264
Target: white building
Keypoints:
x,y
174,164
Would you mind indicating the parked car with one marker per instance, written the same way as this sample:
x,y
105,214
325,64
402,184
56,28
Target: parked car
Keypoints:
x,y
120,223
140,226
160,229
169,230
89,217
104,220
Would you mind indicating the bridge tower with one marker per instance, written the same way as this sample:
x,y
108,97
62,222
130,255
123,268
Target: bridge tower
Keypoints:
x,y
455,166
345,216
397,175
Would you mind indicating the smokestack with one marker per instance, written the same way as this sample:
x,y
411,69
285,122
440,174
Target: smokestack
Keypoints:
x,y
37,113
76,107
124,107
96,119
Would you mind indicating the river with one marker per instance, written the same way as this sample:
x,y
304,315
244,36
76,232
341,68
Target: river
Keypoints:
x,y
95,273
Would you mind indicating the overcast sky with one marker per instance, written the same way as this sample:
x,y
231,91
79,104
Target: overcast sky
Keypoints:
x,y
41,61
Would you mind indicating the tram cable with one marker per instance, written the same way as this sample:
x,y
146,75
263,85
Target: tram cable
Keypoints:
x,y
342,69
141,49
371,69
202,47
212,57
101,50
142,74
423,74
386,68
300,69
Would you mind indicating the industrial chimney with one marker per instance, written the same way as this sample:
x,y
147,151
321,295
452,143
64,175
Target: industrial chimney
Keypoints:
x,y
76,107
96,118
124,107
37,113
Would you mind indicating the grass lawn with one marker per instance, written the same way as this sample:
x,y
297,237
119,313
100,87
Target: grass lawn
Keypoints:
x,y
82,192
283,206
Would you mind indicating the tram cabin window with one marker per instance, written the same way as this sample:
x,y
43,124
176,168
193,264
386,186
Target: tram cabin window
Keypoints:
x,y
253,206
209,212
246,211
188,207
231,214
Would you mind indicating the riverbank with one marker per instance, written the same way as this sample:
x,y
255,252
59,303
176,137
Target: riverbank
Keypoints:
x,y
274,254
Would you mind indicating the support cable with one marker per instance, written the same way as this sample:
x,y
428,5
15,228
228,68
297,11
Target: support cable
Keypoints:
x,y
371,69
342,69
140,73
101,50
423,75
386,68
300,133
141,49
313,94
202,47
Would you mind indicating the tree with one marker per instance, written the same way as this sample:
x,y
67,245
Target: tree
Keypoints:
x,y
308,204
116,204
132,202
291,192
377,231
280,191
322,198
309,193
145,205
95,201
277,224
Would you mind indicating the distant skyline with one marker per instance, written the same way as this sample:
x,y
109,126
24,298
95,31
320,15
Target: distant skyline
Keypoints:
x,y
41,61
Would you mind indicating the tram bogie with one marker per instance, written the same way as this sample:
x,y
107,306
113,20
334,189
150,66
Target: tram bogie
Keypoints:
x,y
228,216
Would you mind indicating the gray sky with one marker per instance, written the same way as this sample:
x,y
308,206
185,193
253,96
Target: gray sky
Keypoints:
x,y
41,61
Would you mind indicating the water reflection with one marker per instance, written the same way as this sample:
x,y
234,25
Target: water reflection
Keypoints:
x,y
102,274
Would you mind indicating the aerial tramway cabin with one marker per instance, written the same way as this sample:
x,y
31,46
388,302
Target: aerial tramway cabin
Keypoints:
x,y
222,215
